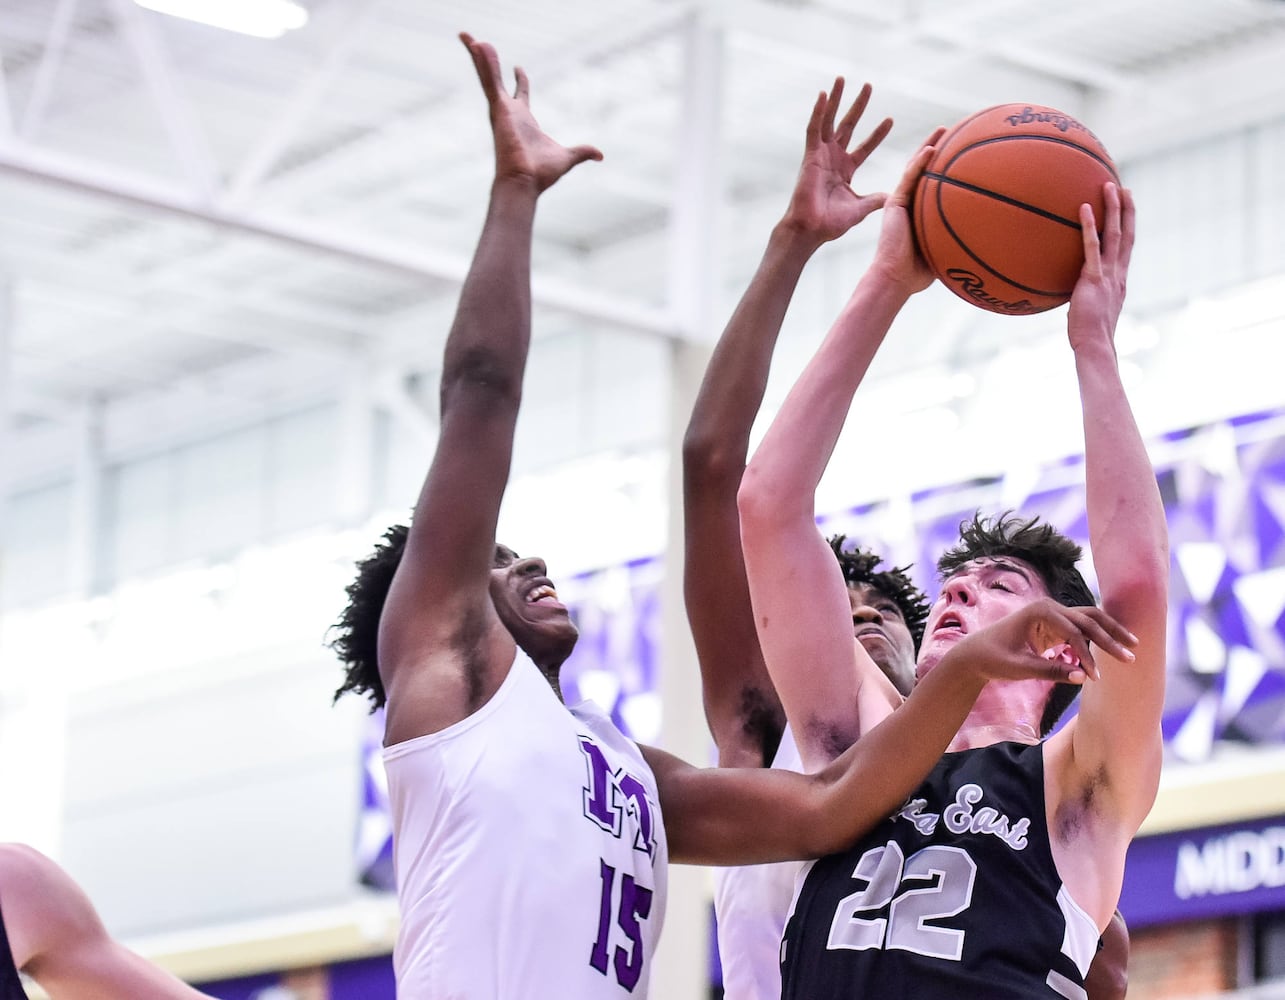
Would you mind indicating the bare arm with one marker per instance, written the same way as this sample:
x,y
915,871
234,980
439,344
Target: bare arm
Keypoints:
x,y
1116,741
727,816
58,939
741,707
1108,977
799,599
442,649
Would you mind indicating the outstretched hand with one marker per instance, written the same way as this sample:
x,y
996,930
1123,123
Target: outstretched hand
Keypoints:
x,y
522,150
824,204
1098,297
897,258
1044,641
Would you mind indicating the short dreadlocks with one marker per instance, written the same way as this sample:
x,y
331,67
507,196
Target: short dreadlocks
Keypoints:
x,y
358,626
861,566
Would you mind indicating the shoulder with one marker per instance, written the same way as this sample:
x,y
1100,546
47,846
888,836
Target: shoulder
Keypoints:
x,y
43,906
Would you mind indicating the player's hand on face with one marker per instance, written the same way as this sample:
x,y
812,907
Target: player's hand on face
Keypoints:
x,y
1099,293
522,149
1044,640
824,204
897,258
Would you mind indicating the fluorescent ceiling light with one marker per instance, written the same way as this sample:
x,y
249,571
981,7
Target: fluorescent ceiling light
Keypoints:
x,y
261,18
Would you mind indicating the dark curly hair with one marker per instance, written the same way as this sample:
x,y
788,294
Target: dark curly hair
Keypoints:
x,y
1046,550
861,566
358,626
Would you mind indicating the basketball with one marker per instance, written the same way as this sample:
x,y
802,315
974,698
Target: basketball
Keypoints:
x,y
997,210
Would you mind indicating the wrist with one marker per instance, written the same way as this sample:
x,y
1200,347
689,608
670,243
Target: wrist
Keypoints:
x,y
1095,348
791,235
515,185
884,287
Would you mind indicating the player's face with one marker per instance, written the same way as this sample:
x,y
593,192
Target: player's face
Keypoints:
x,y
528,605
978,594
878,624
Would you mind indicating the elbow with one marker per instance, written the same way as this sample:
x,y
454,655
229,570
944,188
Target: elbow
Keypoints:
x,y
1140,596
764,504
710,459
482,372
820,821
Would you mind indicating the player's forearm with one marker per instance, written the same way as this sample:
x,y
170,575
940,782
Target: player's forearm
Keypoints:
x,y
781,479
736,378
879,772
490,336
1127,530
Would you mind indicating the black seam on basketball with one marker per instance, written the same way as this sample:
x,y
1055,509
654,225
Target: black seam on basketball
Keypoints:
x,y
941,217
1039,138
976,189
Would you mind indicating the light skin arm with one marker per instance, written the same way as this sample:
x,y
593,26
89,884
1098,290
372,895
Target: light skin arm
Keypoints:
x,y
799,597
732,816
442,649
741,707
1107,760
57,938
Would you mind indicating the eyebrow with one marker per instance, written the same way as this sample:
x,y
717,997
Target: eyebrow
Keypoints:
x,y
1005,565
995,563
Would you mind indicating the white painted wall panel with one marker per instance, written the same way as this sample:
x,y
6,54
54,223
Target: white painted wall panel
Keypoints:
x,y
215,795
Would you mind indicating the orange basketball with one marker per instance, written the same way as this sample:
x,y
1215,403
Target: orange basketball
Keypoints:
x,y
997,211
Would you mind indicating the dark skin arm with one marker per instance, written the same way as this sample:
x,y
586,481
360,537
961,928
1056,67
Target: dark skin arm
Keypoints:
x,y
443,651
744,714
1108,977
736,816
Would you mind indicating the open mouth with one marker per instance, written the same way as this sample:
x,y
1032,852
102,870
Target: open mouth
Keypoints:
x,y
950,622
542,592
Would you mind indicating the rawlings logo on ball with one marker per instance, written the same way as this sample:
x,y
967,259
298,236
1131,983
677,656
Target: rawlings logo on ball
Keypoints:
x,y
973,286
1059,121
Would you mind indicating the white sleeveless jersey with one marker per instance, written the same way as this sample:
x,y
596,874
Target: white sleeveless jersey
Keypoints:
x,y
530,855
751,904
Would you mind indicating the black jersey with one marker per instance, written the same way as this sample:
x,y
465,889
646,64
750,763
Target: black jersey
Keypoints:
x,y
954,896
10,984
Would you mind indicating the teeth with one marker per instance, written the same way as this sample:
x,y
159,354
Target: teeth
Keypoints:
x,y
544,590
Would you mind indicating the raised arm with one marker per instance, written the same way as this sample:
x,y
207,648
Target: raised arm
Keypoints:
x,y
1116,742
442,649
741,707
57,938
727,816
800,603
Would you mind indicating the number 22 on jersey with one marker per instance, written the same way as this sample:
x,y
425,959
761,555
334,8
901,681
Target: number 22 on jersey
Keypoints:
x,y
941,886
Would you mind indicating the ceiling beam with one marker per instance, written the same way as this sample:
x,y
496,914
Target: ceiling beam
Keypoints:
x,y
345,31
55,48
72,174
176,113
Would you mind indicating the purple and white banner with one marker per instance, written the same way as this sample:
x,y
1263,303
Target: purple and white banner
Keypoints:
x,y
1212,872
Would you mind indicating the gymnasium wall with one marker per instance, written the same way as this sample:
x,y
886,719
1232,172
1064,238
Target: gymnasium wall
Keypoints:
x,y
171,736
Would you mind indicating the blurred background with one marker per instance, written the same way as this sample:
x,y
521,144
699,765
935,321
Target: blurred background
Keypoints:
x,y
231,238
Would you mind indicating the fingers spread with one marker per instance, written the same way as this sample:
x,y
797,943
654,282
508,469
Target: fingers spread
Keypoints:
x,y
487,64
831,109
814,123
872,142
849,123
581,153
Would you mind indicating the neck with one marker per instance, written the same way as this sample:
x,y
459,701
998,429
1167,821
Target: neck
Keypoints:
x,y
550,667
990,723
